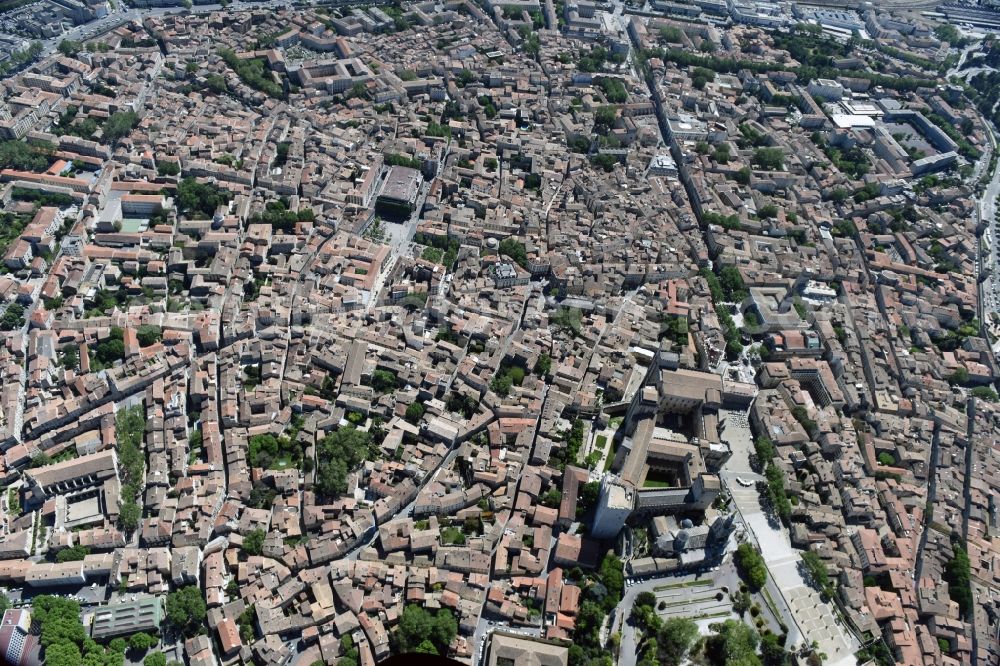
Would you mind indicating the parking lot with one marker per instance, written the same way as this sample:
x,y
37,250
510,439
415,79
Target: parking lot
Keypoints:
x,y
87,595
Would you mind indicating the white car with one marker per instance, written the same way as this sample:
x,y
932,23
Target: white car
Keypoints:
x,y
743,482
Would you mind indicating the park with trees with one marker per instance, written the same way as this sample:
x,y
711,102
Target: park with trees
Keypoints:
x,y
65,641
338,454
425,631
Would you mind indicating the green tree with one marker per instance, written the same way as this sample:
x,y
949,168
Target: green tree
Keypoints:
x,y
675,639
350,658
742,603
29,157
839,195
155,659
770,159
643,613
949,33
960,376
253,542
13,317
586,636
568,319
714,286
384,381
816,567
465,77
985,393
958,573
129,516
612,576
772,651
734,643
186,609
764,448
110,351
414,412
199,200
59,619
551,498
63,654
358,90
515,250
69,48
589,492
72,554
801,415
613,89
142,641
767,211
426,647
751,566
338,454
606,161
501,384
776,494
149,335
543,366
645,599
168,168
119,125
671,34
418,625
605,116
732,283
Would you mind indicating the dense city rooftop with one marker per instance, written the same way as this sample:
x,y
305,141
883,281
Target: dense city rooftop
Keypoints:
x,y
561,333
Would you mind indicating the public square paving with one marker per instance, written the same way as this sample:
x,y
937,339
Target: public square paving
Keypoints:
x,y
816,619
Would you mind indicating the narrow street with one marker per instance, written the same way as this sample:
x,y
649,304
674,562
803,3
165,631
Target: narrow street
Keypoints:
x,y
931,496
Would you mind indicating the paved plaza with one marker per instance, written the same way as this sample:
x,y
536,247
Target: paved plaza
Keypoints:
x,y
814,620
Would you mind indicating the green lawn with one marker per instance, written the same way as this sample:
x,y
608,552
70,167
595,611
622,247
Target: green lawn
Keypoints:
x,y
707,616
13,502
432,254
611,456
770,602
131,225
696,600
451,535
690,583
659,478
282,462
